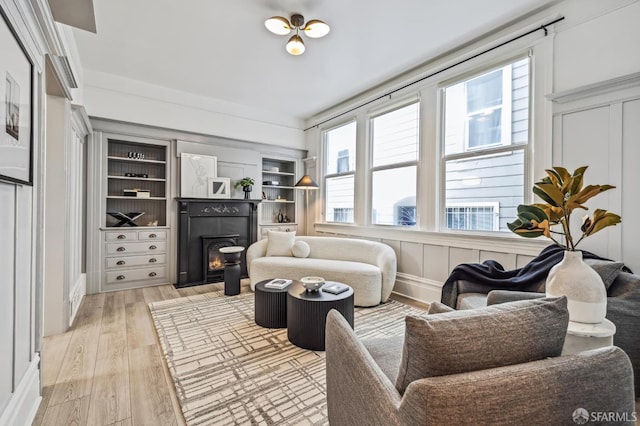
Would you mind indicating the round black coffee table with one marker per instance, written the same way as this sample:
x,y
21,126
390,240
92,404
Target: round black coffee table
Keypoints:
x,y
270,306
307,314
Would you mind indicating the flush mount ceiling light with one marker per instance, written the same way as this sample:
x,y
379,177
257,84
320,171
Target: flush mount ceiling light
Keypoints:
x,y
295,46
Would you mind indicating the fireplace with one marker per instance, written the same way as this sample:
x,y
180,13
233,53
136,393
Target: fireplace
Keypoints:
x,y
234,222
213,260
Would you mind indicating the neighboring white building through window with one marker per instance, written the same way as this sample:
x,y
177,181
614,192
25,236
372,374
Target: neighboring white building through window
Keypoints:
x,y
339,177
394,165
486,134
478,217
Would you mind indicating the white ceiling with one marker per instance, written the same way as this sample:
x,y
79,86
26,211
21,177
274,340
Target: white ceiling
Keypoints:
x,y
221,49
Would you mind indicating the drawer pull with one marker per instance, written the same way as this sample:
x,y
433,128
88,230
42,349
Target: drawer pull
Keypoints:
x,y
120,277
152,235
122,237
121,249
153,260
120,262
152,247
152,274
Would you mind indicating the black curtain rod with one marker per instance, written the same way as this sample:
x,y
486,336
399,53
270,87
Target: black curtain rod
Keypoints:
x,y
540,28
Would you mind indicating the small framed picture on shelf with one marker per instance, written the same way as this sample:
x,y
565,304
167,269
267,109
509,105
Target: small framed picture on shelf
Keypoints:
x,y
219,187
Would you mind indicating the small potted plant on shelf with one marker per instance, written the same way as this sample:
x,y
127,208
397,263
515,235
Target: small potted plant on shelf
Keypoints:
x,y
247,186
562,193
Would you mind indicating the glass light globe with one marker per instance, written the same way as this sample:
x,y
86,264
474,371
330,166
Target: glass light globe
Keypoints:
x,y
278,25
295,45
316,28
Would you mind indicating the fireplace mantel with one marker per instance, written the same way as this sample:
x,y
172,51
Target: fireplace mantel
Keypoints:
x,y
198,217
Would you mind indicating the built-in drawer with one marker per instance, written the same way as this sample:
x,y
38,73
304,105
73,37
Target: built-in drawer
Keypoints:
x,y
131,261
140,274
137,247
121,236
152,235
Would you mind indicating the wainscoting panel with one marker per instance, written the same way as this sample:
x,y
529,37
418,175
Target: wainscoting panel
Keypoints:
x,y
507,260
417,288
601,129
7,283
436,263
411,258
462,255
523,259
423,267
630,198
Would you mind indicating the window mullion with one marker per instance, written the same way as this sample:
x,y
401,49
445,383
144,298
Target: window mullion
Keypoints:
x,y
480,152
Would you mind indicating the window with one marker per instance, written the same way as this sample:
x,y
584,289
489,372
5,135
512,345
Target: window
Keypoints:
x,y
340,166
486,134
394,166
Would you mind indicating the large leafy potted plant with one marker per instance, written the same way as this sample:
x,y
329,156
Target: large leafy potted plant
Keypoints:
x,y
562,193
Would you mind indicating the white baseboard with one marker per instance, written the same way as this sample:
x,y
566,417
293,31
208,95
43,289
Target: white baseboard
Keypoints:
x,y
417,288
24,403
78,292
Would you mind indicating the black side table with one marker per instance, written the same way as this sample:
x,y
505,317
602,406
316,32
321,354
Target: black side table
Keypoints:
x,y
307,314
270,306
232,269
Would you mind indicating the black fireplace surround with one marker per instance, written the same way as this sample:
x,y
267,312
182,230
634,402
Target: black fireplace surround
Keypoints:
x,y
201,219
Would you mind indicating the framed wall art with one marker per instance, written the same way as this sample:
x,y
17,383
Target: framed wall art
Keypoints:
x,y
16,107
195,170
219,187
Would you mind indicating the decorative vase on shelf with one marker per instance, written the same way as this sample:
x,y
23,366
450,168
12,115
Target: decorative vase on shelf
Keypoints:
x,y
247,189
585,291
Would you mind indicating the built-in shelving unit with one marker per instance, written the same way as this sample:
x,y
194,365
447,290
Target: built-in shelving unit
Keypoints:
x,y
134,237
278,207
140,170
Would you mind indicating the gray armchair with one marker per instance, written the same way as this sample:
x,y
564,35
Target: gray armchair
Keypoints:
x,y
361,376
623,308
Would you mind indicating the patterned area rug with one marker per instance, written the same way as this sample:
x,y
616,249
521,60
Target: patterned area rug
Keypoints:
x,y
228,370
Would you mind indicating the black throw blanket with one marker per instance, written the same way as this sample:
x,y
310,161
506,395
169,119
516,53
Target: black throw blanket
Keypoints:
x,y
490,275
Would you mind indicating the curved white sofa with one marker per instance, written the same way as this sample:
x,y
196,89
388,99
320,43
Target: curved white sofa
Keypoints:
x,y
369,267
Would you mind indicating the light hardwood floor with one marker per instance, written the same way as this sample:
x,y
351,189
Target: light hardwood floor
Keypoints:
x,y
108,368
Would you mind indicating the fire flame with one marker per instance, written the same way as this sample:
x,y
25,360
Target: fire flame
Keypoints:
x,y
215,264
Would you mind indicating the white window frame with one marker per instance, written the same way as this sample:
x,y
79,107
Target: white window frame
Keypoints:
x,y
326,176
370,117
485,150
505,125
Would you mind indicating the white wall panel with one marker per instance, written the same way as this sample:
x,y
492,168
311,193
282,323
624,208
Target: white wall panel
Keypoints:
x,y
23,296
411,257
461,255
522,260
7,281
436,262
630,189
585,138
507,260
56,290
590,52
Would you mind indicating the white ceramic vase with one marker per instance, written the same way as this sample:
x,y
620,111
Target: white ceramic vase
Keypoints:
x,y
585,291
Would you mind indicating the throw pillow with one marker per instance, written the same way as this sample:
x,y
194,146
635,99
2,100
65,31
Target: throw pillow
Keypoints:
x,y
607,270
438,308
301,249
477,339
280,243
